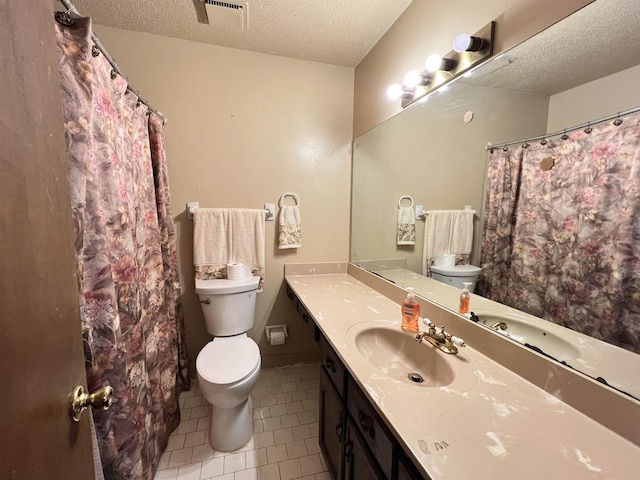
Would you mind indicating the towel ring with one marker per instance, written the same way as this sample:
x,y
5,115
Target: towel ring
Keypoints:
x,y
407,197
292,195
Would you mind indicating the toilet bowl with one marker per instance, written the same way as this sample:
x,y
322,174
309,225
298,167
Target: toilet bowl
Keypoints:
x,y
228,366
456,275
228,370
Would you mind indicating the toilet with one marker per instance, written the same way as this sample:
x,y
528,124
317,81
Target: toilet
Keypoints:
x,y
456,275
229,365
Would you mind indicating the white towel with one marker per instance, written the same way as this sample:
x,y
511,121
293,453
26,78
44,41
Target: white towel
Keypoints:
x,y
228,235
446,231
461,232
289,233
406,232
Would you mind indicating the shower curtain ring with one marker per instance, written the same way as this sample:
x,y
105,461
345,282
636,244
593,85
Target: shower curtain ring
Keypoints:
x,y
565,136
95,51
543,141
618,121
588,129
64,18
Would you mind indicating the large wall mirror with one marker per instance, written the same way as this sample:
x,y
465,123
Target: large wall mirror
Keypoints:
x,y
581,69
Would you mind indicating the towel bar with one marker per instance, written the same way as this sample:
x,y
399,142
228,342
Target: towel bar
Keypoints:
x,y
270,213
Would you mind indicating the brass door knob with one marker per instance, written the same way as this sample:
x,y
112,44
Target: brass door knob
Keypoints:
x,y
80,401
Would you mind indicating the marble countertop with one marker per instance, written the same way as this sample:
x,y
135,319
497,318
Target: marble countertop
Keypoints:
x,y
488,423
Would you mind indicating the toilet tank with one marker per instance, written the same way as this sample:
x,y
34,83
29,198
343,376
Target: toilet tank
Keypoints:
x,y
457,275
229,306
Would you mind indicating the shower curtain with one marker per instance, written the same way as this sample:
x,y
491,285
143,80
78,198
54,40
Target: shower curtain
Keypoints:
x,y
561,234
131,311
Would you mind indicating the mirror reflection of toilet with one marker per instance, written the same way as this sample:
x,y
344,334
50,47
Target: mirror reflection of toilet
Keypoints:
x,y
228,366
445,270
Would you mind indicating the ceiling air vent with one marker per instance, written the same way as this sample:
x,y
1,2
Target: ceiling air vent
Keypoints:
x,y
227,15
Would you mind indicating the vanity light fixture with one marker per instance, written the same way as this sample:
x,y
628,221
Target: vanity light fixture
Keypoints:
x,y
469,52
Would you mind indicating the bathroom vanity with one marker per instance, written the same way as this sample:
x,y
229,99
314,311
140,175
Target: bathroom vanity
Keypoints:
x,y
494,410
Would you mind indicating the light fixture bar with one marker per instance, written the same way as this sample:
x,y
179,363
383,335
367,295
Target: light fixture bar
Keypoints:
x,y
459,62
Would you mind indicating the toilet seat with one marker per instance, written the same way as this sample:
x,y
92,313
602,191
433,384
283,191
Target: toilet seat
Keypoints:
x,y
227,360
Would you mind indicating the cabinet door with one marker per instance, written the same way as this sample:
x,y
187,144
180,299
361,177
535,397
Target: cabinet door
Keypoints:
x,y
406,471
359,464
331,425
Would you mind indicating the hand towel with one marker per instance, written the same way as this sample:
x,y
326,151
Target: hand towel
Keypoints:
x,y
247,244
226,235
446,231
289,233
211,242
437,230
461,232
406,234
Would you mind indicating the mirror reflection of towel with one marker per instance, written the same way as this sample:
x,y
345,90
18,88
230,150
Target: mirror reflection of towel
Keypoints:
x,y
406,234
289,232
447,231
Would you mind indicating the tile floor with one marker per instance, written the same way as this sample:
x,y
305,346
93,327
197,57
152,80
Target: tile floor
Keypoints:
x,y
284,445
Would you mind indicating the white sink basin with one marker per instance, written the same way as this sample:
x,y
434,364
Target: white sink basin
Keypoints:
x,y
525,331
394,354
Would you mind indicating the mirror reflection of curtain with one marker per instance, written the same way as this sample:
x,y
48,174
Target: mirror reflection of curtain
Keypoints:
x,y
561,235
130,304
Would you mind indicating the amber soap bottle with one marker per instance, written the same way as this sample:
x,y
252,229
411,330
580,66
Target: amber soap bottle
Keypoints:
x,y
410,312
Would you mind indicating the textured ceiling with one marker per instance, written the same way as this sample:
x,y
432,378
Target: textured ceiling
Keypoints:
x,y
600,39
338,32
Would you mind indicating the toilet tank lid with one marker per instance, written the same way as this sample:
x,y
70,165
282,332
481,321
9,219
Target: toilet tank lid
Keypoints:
x,y
220,286
457,271
227,360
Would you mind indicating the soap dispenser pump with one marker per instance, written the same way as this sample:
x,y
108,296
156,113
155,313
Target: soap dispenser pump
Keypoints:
x,y
410,312
465,295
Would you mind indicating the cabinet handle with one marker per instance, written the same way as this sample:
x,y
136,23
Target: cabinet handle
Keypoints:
x,y
348,448
290,294
305,318
330,364
339,431
367,424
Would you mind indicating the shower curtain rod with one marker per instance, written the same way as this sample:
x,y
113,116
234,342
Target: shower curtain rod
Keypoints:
x,y
616,116
71,8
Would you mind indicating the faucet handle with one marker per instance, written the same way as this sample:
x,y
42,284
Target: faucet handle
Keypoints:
x,y
458,341
426,321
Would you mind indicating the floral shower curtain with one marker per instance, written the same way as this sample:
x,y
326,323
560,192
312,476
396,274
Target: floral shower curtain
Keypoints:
x,y
562,238
132,320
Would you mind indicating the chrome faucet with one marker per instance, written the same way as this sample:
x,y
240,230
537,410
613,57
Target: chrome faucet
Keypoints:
x,y
440,339
498,326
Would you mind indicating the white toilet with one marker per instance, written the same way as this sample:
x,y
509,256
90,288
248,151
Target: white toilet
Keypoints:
x,y
456,275
228,367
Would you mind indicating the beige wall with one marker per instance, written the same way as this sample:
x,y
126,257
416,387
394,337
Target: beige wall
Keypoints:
x,y
243,129
600,98
429,26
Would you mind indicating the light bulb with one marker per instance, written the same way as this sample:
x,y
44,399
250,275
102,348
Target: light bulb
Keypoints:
x,y
467,43
462,42
394,91
412,79
433,62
